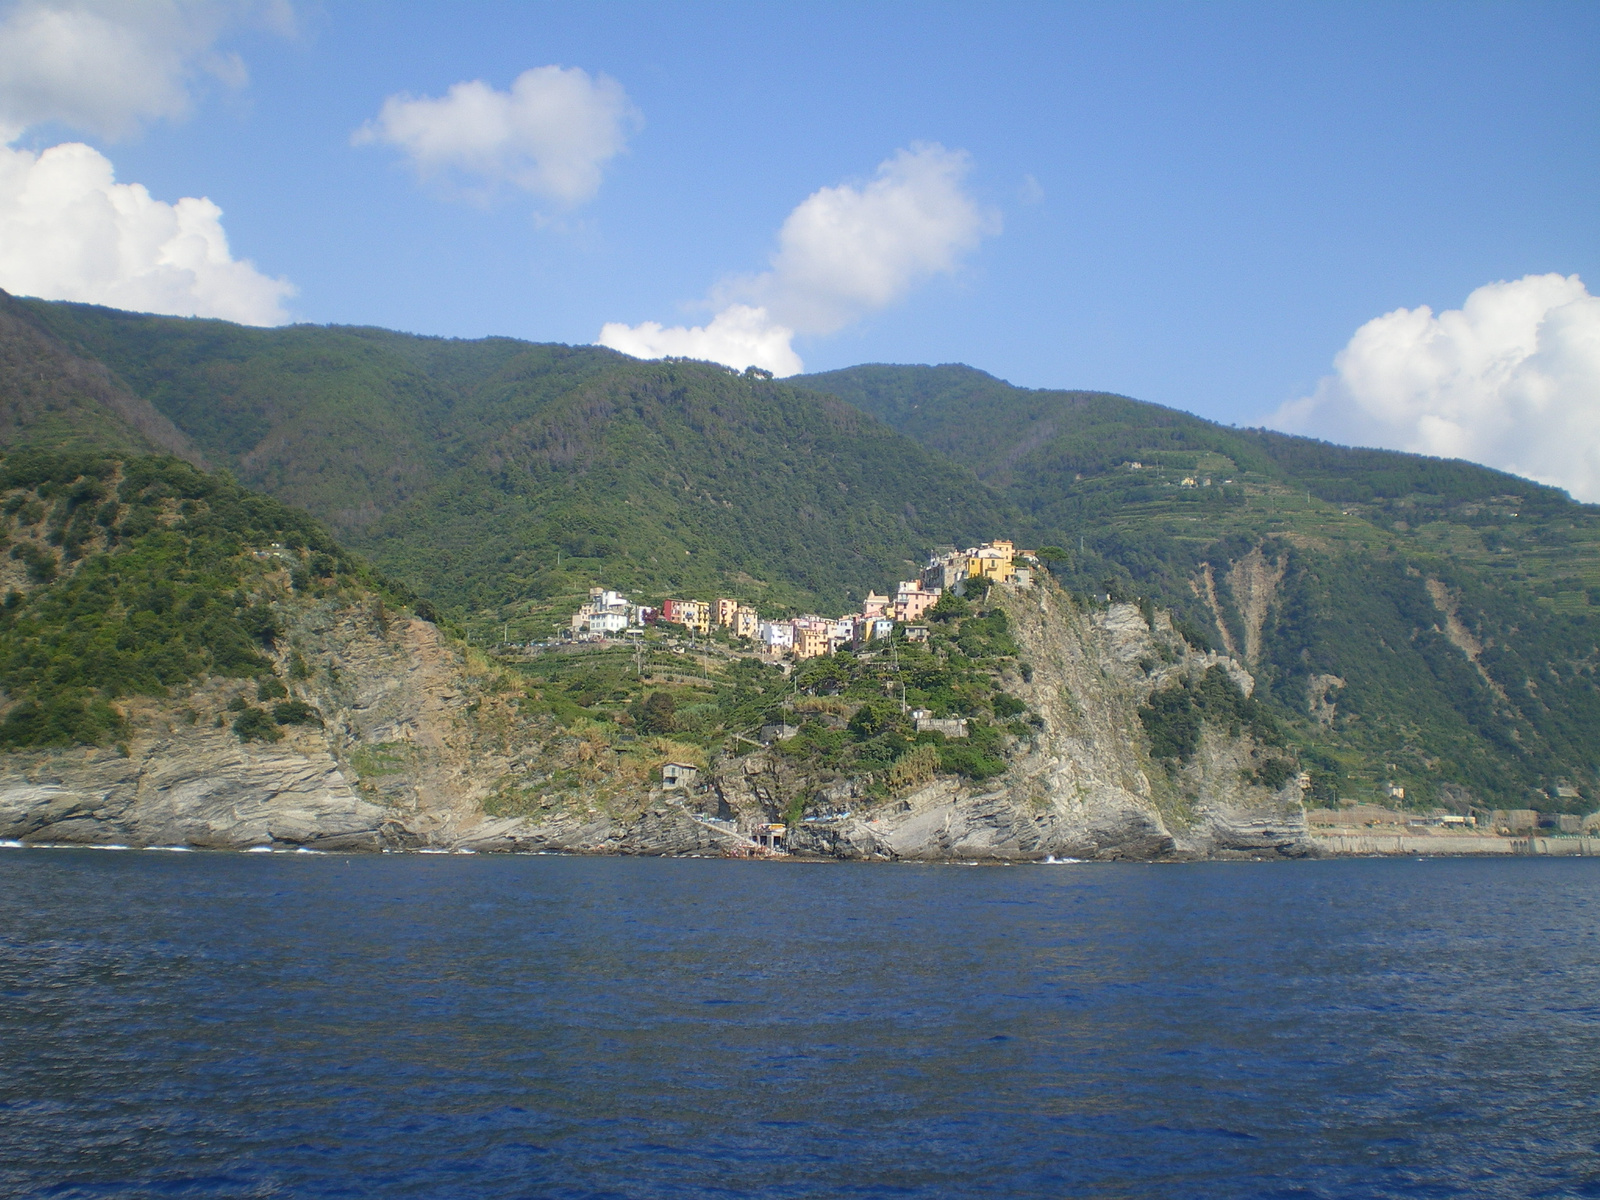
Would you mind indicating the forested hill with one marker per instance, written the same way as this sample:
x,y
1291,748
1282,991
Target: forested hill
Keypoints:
x,y
1420,623
496,472
50,395
1434,623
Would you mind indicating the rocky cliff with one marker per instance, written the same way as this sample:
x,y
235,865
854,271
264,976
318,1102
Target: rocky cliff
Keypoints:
x,y
1086,785
423,745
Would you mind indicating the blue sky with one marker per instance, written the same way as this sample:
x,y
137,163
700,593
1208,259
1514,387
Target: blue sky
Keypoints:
x,y
1195,205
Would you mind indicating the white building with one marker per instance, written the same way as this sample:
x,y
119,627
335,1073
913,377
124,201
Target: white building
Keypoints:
x,y
776,635
608,622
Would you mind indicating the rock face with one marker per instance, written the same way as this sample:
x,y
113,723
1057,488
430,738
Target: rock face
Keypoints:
x,y
421,745
415,737
1087,787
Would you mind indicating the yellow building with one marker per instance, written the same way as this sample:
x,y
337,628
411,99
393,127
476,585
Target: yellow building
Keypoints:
x,y
725,611
992,562
745,621
693,614
810,641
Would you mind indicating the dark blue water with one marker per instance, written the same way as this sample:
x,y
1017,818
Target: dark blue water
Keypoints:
x,y
255,1025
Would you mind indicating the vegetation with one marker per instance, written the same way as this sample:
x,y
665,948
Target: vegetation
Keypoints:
x,y
501,479
850,711
1175,715
495,473
1392,567
142,574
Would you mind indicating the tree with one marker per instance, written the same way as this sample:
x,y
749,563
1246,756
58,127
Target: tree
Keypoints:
x,y
657,714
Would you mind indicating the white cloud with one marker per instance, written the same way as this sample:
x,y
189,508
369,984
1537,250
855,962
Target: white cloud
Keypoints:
x,y
843,252
550,135
108,67
69,231
1511,379
739,336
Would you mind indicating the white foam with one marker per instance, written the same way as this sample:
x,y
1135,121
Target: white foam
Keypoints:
x,y
308,850
433,850
108,846
1053,861
172,849
258,849
11,844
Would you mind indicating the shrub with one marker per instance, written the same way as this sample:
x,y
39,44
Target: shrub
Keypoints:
x,y
295,712
959,759
1173,716
1274,773
1006,705
58,721
917,766
869,721
1173,723
254,725
42,564
658,714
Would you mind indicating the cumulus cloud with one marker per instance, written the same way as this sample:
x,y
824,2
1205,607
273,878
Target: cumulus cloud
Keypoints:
x,y
108,67
69,231
551,134
738,336
1511,379
843,252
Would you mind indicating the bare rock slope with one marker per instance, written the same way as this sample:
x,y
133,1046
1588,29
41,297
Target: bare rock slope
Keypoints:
x,y
1086,787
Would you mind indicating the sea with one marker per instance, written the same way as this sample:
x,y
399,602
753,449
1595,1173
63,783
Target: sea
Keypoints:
x,y
303,1025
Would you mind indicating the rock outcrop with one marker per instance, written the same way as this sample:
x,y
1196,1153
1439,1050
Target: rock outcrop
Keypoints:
x,y
422,745
1086,786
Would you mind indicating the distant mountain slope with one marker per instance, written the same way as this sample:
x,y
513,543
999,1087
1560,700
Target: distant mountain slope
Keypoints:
x,y
50,396
496,471
1432,623
684,476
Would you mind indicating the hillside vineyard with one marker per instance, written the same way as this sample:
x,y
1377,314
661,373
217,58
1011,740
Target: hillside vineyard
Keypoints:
x,y
1312,628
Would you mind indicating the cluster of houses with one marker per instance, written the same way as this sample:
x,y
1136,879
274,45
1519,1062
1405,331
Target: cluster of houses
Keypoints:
x,y
609,613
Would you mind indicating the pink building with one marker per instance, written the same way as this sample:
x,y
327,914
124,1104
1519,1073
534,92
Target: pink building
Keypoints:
x,y
911,600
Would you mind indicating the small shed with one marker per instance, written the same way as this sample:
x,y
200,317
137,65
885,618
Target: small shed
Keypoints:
x,y
677,776
770,836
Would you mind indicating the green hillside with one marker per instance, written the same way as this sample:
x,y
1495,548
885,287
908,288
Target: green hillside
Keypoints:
x,y
1428,622
495,473
1423,623
131,576
50,396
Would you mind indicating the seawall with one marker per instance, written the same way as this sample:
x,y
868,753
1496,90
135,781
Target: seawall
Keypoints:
x,y
1421,843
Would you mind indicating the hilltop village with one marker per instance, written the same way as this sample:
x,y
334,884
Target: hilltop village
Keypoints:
x,y
608,614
